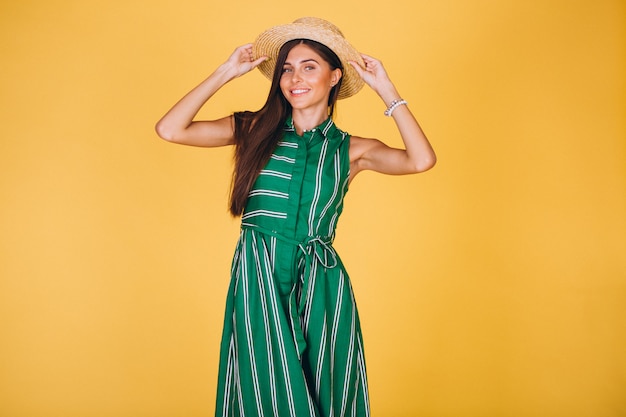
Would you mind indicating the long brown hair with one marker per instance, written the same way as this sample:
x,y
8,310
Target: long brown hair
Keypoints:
x,y
257,133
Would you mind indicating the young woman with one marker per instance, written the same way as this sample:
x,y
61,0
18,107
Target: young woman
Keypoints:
x,y
292,342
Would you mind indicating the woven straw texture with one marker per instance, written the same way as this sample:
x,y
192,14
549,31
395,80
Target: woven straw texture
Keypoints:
x,y
269,43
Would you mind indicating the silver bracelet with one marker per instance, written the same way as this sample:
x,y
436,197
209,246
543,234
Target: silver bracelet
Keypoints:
x,y
394,104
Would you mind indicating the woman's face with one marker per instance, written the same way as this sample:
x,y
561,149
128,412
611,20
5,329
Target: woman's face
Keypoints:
x,y
307,78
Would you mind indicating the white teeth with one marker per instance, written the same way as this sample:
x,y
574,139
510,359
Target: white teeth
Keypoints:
x,y
299,91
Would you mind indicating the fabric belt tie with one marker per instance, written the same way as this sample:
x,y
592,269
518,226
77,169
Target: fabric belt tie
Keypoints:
x,y
315,250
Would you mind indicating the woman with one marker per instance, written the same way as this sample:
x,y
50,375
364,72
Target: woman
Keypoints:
x,y
292,342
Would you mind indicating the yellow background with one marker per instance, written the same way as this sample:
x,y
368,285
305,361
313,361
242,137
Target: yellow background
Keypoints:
x,y
493,285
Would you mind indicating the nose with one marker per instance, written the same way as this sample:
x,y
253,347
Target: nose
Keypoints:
x,y
296,77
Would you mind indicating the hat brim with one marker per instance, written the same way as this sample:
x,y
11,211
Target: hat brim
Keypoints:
x,y
270,41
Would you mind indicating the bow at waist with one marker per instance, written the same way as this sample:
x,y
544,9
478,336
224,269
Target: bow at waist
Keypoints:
x,y
313,248
321,249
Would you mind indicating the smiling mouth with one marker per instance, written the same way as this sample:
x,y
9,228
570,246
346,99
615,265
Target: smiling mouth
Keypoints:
x,y
299,91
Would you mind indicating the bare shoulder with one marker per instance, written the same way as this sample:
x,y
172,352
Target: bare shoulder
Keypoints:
x,y
360,146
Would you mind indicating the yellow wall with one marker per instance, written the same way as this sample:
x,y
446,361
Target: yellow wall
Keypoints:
x,y
494,285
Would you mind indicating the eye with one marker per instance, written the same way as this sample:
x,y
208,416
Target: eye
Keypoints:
x,y
286,69
309,67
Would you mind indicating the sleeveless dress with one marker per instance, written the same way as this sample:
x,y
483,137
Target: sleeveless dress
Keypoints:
x,y
292,344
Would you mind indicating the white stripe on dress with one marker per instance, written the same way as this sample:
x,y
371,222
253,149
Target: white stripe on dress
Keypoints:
x,y
318,186
268,193
267,213
361,364
333,337
288,144
333,221
346,381
283,159
273,173
262,272
273,298
320,360
337,177
249,337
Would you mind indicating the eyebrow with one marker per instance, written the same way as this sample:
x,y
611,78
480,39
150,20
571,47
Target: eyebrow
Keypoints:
x,y
303,61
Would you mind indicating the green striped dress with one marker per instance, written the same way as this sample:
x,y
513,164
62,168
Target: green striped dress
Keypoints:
x,y
292,344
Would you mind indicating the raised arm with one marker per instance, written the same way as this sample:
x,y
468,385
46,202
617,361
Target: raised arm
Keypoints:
x,y
178,125
372,154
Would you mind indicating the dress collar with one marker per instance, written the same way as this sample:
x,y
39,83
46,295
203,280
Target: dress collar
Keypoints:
x,y
327,128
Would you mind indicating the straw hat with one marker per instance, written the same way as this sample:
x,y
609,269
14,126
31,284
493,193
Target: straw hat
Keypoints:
x,y
269,43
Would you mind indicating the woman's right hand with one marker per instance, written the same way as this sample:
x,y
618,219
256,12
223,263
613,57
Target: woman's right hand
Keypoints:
x,y
178,124
242,61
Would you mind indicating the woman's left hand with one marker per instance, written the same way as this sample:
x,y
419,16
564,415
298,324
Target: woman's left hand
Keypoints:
x,y
373,73
417,155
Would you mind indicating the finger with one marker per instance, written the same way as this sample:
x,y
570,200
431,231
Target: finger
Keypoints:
x,y
258,61
357,68
243,48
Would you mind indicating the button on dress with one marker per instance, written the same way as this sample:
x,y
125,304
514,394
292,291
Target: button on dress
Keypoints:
x,y
292,344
